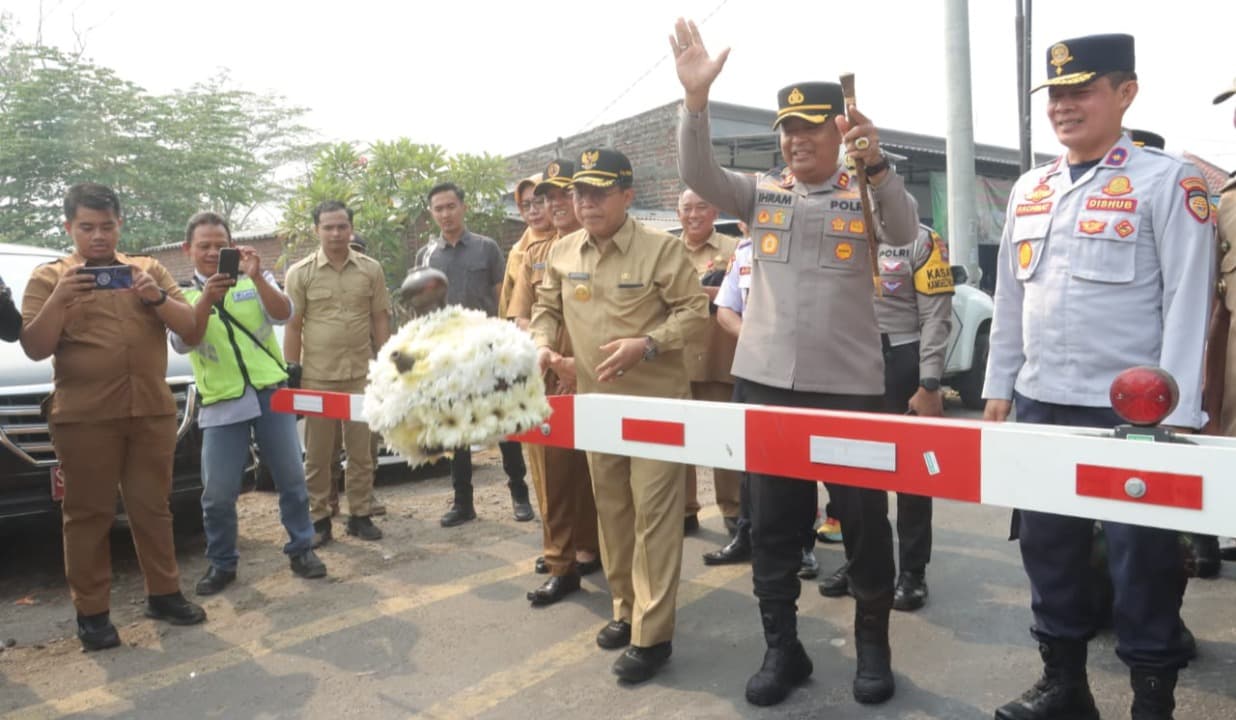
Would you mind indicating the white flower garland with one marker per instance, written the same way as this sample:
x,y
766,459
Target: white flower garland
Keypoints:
x,y
451,379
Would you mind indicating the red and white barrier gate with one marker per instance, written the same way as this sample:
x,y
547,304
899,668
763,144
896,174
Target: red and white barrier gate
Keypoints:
x,y
1082,472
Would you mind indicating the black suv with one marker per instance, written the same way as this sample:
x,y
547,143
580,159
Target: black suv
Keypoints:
x,y
28,467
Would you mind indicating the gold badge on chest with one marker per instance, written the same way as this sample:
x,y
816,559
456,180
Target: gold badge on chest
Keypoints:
x,y
583,293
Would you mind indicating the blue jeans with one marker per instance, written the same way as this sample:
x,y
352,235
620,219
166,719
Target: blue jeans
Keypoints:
x,y
225,452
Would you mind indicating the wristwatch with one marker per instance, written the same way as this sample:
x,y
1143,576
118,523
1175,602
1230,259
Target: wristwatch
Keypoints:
x,y
930,384
879,167
650,348
162,299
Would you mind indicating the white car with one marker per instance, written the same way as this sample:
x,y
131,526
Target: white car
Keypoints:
x,y
966,362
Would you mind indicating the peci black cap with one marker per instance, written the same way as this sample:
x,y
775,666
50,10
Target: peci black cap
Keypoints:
x,y
1080,60
1226,93
557,175
601,167
814,102
358,243
1145,138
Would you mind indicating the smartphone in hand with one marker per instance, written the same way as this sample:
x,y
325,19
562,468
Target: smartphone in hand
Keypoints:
x,y
229,262
110,277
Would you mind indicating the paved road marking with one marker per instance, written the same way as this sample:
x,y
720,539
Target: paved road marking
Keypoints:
x,y
500,687
96,698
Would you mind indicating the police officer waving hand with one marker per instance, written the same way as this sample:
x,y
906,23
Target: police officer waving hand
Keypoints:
x,y
809,338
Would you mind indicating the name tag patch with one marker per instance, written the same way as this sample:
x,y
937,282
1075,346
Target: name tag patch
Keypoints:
x,y
1127,205
248,294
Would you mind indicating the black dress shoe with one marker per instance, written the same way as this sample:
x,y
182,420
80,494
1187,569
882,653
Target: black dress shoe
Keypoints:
x,y
540,567
175,609
307,565
587,567
638,664
837,584
321,532
521,508
690,524
738,550
554,589
810,568
97,632
911,592
362,526
615,635
458,515
214,581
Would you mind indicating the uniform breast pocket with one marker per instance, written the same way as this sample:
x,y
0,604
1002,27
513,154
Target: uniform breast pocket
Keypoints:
x,y
1227,280
842,252
80,312
1029,243
1104,250
319,300
771,245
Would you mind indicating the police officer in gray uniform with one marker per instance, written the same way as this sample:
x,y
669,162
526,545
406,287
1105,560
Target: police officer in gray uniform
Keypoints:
x,y
809,338
915,312
1105,263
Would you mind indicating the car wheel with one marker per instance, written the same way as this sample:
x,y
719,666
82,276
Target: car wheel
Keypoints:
x,y
970,386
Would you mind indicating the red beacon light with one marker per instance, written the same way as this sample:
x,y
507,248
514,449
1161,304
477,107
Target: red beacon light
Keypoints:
x,y
1144,395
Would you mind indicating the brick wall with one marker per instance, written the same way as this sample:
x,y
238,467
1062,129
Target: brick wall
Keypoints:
x,y
270,247
649,140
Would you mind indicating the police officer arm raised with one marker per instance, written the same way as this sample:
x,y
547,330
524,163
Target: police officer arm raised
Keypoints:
x,y
697,71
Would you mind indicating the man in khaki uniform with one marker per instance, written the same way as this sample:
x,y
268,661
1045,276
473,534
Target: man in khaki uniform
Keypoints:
x,y
563,485
112,415
341,316
709,362
1220,370
631,301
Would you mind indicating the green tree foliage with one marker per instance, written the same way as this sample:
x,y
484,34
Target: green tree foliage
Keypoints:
x,y
65,120
385,186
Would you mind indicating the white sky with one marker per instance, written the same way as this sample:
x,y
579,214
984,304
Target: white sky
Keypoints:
x,y
503,77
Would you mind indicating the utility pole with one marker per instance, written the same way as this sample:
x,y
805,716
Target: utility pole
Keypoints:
x,y
962,219
1023,82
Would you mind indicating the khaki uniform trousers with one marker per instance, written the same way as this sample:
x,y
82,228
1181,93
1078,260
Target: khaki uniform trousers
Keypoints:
x,y
639,510
134,455
564,496
320,446
725,482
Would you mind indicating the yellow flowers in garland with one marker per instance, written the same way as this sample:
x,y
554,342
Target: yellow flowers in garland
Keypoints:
x,y
451,379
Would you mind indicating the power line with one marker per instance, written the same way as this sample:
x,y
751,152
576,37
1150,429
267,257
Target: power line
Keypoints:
x,y
644,75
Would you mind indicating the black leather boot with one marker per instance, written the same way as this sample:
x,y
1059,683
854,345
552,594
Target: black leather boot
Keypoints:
x,y
1063,693
873,679
786,664
1154,694
737,550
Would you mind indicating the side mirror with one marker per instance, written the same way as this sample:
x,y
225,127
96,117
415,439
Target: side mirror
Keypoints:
x,y
959,274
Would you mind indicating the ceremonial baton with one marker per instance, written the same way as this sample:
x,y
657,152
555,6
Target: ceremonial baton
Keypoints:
x,y
860,169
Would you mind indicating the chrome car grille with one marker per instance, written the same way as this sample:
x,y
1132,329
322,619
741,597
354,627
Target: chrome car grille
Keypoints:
x,y
24,432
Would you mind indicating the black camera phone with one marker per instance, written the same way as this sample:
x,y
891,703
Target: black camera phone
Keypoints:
x,y
229,262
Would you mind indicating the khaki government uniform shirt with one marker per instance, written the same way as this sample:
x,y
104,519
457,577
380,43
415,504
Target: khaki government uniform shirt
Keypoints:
x,y
337,307
1227,292
711,359
523,295
111,361
643,285
514,265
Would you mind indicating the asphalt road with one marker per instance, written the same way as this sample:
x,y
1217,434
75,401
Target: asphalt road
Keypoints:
x,y
433,623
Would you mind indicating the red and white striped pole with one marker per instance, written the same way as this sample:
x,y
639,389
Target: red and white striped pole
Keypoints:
x,y
1082,472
